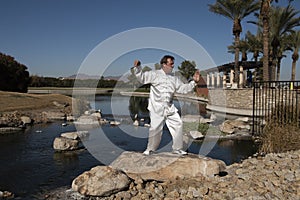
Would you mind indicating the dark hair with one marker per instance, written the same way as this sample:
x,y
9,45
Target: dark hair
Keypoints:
x,y
164,59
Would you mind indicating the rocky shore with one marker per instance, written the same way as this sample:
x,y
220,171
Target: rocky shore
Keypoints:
x,y
274,176
17,110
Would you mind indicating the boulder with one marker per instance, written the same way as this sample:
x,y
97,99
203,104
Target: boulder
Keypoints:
x,y
165,166
75,135
65,144
196,135
101,181
26,120
230,126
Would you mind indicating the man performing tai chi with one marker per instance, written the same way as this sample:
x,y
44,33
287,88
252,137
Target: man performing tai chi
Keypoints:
x,y
160,106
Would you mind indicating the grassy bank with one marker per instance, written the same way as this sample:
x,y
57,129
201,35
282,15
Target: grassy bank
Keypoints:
x,y
11,101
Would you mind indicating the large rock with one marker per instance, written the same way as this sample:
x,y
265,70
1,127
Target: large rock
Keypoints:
x,y
230,126
51,115
65,144
75,135
26,120
101,181
165,166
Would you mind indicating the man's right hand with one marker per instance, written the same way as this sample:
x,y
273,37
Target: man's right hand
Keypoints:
x,y
136,63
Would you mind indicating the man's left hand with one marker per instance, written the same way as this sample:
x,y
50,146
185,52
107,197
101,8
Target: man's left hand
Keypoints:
x,y
196,76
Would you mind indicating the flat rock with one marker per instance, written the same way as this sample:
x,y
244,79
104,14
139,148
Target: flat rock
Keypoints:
x,y
166,166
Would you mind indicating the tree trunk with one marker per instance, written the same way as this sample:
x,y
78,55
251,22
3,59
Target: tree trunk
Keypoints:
x,y
293,70
236,59
295,57
278,68
265,9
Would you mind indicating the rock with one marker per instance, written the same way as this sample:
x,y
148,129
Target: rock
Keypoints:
x,y
165,166
230,126
65,144
53,115
196,135
243,119
10,129
6,195
101,181
136,123
114,123
26,120
74,135
70,118
227,128
97,114
87,120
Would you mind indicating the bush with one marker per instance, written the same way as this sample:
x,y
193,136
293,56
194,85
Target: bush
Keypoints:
x,y
282,131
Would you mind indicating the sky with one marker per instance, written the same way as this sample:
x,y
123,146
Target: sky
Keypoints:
x,y
60,38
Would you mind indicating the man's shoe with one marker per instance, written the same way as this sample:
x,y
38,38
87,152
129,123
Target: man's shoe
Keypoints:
x,y
179,152
148,152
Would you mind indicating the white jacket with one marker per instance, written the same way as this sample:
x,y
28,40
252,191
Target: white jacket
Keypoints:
x,y
162,89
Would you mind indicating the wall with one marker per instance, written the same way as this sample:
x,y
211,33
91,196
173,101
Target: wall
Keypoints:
x,y
231,98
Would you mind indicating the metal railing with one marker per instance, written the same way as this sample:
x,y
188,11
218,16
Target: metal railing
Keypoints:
x,y
275,101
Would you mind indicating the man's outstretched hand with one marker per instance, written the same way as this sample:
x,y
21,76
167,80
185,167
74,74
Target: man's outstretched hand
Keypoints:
x,y
196,76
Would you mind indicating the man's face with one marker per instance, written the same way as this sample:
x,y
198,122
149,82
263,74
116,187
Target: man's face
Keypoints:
x,y
168,67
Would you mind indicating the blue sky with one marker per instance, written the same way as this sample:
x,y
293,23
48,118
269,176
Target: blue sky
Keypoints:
x,y
55,37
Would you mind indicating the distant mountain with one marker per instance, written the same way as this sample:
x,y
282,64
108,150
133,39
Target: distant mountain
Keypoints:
x,y
82,76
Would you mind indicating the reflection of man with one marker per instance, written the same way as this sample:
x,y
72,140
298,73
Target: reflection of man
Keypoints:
x,y
161,107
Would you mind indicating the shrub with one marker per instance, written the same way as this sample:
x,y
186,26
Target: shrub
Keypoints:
x,y
282,131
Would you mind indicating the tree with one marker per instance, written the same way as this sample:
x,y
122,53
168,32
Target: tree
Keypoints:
x,y
235,10
264,17
13,75
187,69
255,44
157,66
283,21
294,39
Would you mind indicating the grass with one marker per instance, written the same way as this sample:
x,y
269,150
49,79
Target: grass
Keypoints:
x,y
11,101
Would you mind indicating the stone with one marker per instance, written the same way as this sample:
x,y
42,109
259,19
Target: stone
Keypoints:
x,y
75,135
26,120
51,115
101,181
65,144
87,119
196,135
165,166
70,135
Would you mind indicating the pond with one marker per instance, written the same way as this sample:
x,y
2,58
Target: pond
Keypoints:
x,y
30,166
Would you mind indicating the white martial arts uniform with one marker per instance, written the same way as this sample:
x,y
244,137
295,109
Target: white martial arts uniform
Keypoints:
x,y
161,107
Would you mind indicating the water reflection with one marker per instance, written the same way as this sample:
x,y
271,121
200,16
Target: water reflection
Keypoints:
x,y
138,107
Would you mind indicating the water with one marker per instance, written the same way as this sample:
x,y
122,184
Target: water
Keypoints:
x,y
30,166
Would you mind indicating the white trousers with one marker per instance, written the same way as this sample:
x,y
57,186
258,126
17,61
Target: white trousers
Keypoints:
x,y
174,124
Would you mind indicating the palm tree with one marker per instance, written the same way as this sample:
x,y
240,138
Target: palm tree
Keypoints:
x,y
235,10
243,47
294,40
283,21
284,46
255,44
265,15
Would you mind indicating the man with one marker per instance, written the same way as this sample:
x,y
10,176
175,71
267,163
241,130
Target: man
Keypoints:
x,y
160,106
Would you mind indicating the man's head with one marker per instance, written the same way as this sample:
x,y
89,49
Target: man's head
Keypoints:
x,y
167,63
